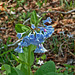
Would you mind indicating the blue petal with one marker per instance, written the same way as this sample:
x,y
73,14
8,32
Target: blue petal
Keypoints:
x,y
49,20
19,35
32,36
33,26
40,49
19,49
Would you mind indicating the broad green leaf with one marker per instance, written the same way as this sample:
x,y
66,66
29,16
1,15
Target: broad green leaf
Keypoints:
x,y
34,18
19,72
19,66
15,71
11,70
46,68
7,68
60,73
24,68
33,47
18,60
51,73
24,56
32,58
20,28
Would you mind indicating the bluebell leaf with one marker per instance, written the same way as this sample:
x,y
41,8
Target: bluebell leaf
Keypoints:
x,y
33,26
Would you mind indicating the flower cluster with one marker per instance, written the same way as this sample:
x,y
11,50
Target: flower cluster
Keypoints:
x,y
35,38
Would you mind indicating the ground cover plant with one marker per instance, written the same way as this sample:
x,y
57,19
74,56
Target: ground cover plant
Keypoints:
x,y
37,37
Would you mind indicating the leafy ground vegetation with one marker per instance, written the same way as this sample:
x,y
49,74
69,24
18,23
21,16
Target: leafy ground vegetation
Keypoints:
x,y
56,53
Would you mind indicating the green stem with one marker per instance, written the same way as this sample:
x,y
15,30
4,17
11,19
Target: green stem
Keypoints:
x,y
74,46
29,54
61,2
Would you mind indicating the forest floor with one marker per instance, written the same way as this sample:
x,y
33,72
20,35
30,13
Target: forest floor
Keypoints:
x,y
61,45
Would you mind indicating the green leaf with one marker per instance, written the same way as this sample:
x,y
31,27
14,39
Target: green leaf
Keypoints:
x,y
19,66
35,67
24,68
20,28
24,56
46,68
7,68
33,47
11,70
51,73
60,73
18,60
43,57
37,59
69,66
15,71
66,3
34,18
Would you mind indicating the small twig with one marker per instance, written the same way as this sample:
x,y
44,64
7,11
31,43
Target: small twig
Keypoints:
x,y
26,20
9,1
60,49
59,12
12,44
71,53
70,25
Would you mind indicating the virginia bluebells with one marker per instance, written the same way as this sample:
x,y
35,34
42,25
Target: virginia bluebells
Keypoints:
x,y
35,38
40,49
19,35
19,49
49,20
33,26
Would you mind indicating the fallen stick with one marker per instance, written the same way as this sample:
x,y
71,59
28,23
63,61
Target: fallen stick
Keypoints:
x,y
59,12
